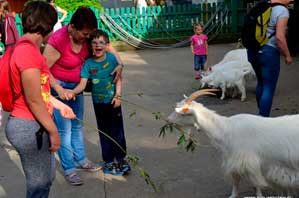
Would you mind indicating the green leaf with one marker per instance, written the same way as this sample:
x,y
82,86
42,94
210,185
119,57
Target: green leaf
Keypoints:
x,y
190,146
140,94
133,159
132,114
157,115
167,127
181,140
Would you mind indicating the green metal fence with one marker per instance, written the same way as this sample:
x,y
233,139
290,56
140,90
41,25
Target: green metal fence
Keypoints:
x,y
161,22
166,22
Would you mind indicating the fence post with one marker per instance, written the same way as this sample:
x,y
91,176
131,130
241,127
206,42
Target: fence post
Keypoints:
x,y
19,24
233,5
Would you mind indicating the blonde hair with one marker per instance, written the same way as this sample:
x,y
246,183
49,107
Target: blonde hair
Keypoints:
x,y
196,24
4,8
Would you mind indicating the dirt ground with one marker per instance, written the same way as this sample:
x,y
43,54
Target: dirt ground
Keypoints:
x,y
154,80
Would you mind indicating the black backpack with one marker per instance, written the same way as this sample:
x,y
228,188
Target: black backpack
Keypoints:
x,y
254,31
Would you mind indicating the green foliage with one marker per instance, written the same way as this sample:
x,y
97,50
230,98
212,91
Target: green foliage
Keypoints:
x,y
132,114
74,4
185,139
157,115
134,161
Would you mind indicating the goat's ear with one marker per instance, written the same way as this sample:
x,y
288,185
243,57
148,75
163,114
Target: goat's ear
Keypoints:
x,y
185,96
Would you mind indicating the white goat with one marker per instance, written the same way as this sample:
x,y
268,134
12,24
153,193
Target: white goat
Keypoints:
x,y
230,73
237,54
265,151
232,77
233,55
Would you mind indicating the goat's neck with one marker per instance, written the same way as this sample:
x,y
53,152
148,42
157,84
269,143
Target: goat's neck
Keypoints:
x,y
211,123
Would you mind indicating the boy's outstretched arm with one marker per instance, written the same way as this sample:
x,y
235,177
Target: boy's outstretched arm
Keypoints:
x,y
80,87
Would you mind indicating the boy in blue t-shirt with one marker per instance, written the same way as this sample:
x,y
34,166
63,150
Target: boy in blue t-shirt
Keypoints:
x,y
106,101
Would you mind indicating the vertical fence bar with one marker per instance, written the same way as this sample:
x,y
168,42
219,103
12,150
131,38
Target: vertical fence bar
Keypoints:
x,y
19,24
234,17
129,21
139,17
134,21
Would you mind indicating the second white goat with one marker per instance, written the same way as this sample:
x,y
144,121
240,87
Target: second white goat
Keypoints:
x,y
232,77
230,73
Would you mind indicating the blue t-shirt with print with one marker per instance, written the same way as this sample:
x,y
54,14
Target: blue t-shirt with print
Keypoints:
x,y
103,88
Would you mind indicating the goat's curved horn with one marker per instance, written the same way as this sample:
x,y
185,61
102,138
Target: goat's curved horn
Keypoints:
x,y
202,92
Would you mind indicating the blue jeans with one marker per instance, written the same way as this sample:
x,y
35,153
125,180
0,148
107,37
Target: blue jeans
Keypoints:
x,y
199,62
71,152
266,64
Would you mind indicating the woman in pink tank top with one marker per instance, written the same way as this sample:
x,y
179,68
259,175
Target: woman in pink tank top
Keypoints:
x,y
66,52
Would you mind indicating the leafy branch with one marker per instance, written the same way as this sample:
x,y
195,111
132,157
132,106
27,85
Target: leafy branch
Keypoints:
x,y
134,161
185,139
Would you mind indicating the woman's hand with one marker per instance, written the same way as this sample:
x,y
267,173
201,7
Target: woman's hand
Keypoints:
x,y
66,94
117,71
55,141
65,110
288,60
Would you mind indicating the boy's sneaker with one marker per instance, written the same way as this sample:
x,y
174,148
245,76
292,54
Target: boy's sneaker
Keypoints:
x,y
89,166
112,169
124,166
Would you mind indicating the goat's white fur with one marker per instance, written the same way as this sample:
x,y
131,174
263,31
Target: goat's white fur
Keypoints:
x,y
230,73
233,77
237,54
263,150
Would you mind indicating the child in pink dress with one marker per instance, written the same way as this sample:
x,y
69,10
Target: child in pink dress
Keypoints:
x,y
199,47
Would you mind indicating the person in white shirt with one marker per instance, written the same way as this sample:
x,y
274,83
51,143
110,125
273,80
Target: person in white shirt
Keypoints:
x,y
58,25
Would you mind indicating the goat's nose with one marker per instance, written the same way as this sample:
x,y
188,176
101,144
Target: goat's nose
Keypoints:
x,y
172,116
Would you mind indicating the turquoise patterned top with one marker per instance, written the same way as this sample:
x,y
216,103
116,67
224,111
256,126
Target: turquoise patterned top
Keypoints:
x,y
103,88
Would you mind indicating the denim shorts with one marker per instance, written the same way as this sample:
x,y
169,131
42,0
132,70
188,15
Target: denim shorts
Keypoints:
x,y
199,62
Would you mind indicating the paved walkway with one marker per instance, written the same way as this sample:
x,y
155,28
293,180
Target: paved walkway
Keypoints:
x,y
162,76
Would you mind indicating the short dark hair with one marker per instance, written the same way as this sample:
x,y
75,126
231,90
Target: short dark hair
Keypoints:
x,y
98,33
38,17
83,18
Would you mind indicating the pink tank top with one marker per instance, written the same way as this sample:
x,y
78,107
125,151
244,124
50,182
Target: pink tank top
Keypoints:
x,y
67,67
